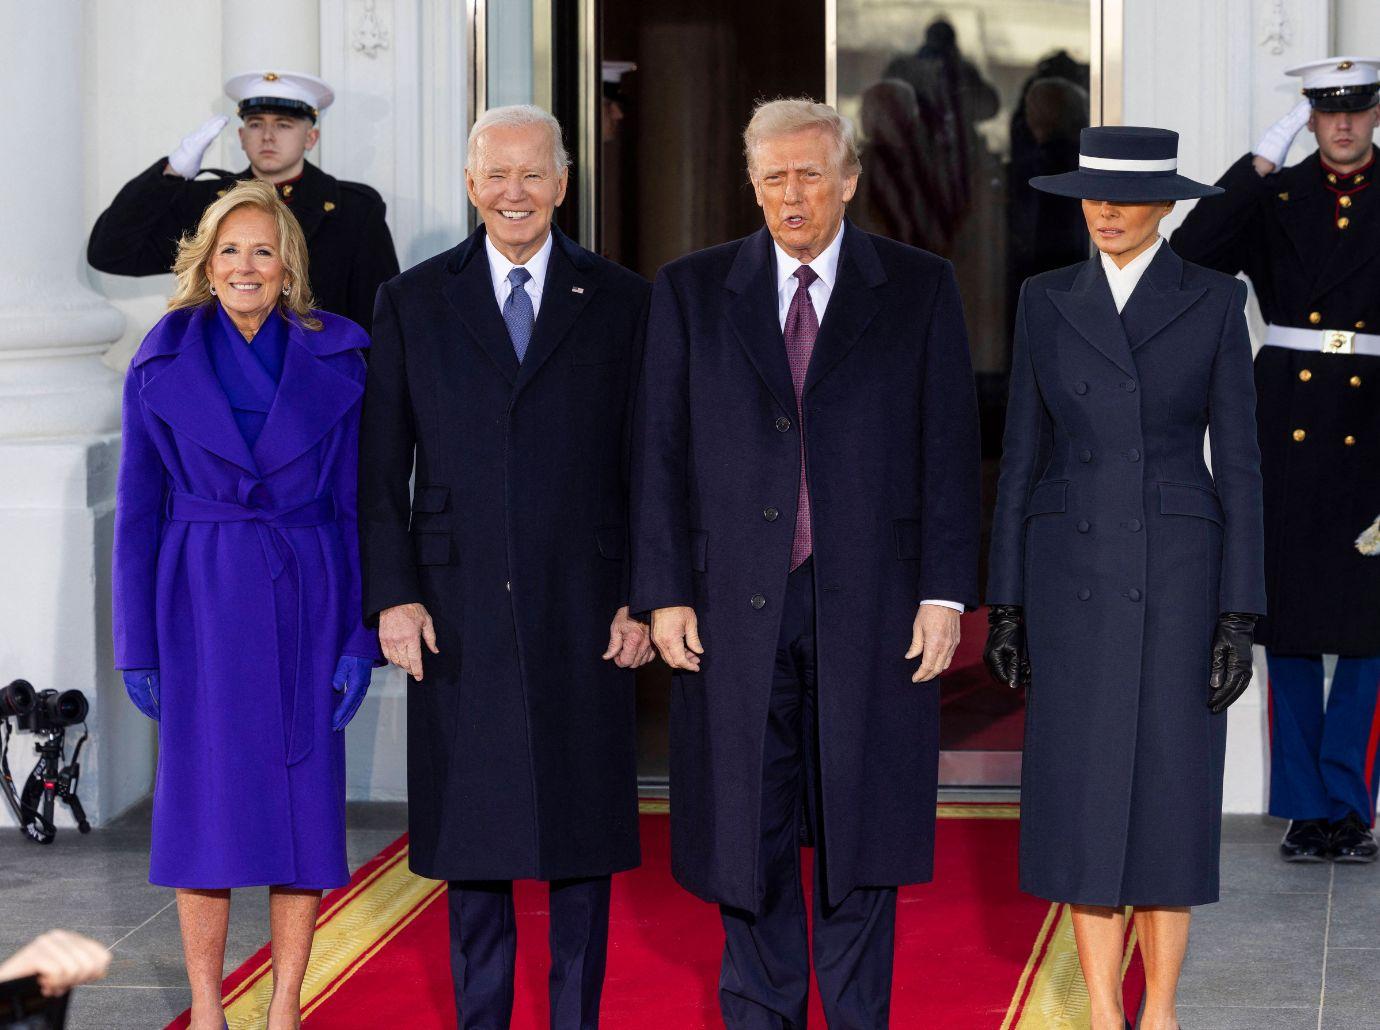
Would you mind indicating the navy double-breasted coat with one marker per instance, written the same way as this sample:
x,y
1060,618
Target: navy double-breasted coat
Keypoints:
x,y
1124,548
891,442
521,755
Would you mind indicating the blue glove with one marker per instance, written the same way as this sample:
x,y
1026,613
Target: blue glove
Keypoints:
x,y
351,681
142,687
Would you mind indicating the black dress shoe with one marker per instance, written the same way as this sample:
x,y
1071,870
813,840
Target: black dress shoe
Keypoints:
x,y
1352,841
1308,840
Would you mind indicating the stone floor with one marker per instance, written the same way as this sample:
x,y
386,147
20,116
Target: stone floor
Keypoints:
x,y
1288,947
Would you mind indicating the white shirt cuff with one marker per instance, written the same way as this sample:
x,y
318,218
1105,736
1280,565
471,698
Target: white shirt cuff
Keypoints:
x,y
946,604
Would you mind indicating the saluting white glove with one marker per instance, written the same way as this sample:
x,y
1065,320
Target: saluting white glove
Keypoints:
x,y
1279,137
186,159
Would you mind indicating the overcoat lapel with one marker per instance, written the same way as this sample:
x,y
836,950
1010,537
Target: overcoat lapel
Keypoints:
x,y
1089,308
753,315
1157,299
186,394
852,304
470,292
568,288
312,397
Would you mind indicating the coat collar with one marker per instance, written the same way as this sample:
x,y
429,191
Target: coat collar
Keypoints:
x,y
754,312
568,288
185,393
1156,302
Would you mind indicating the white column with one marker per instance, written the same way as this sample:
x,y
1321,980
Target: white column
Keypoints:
x,y
59,411
1215,74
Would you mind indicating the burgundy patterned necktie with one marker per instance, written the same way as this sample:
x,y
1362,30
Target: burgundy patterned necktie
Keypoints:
x,y
802,326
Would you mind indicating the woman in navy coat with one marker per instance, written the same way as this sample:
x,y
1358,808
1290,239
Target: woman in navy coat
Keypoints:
x,y
1125,577
236,584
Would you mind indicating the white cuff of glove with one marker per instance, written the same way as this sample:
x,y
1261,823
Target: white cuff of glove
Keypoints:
x,y
186,159
1279,137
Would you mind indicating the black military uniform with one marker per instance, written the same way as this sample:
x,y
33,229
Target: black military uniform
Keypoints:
x,y
1309,239
349,246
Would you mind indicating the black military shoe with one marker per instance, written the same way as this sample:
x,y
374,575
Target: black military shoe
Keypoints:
x,y
1308,840
1352,841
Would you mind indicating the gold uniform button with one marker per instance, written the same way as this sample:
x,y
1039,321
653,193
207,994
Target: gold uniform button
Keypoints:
x,y
1350,441
1343,222
1355,380
1331,176
287,190
1315,317
329,205
1305,375
1344,201
1360,325
221,193
1359,179
1299,434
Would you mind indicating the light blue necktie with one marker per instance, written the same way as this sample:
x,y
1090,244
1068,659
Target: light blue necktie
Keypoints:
x,y
517,312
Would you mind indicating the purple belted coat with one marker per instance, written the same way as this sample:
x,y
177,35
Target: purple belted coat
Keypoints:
x,y
236,574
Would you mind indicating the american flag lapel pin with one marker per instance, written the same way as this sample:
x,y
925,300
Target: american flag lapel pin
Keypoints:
x,y
577,289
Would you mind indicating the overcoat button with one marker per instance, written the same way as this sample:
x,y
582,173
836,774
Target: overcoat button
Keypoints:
x,y
770,514
1081,389
758,601
1134,525
1129,386
1084,594
1085,455
1134,455
1083,525
783,424
1134,595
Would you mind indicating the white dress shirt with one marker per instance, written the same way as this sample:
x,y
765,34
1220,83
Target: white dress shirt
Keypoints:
x,y
500,266
826,266
1123,280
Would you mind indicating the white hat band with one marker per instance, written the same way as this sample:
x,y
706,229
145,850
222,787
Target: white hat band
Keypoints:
x,y
1119,164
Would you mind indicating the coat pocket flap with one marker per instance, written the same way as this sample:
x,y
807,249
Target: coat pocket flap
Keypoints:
x,y
699,550
1183,499
907,537
1048,498
430,499
612,541
432,548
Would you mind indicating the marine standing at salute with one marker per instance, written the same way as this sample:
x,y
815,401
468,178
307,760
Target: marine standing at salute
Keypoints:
x,y
1307,236
351,250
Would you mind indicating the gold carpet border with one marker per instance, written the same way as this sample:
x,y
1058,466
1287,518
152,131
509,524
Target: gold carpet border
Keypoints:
x,y
945,809
1058,998
390,897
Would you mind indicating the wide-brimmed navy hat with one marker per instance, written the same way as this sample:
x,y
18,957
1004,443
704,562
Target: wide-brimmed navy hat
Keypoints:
x,y
1130,164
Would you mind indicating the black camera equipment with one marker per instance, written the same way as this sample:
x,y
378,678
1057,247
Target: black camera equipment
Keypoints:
x,y
46,714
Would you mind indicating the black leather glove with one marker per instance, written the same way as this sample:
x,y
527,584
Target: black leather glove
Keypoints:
x,y
1005,655
1231,659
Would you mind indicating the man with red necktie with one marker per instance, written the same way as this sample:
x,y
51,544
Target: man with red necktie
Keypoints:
x,y
805,528
1307,236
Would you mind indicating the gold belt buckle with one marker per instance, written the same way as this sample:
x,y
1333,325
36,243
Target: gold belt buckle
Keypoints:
x,y
1338,341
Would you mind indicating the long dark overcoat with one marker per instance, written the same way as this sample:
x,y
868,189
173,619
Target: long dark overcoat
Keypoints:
x,y
236,575
1124,549
1323,489
890,422
521,740
348,242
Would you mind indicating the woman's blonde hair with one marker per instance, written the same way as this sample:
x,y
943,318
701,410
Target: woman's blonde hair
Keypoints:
x,y
194,251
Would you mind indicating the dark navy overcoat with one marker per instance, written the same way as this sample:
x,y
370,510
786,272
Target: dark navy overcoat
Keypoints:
x,y
1124,548
521,740
891,437
236,575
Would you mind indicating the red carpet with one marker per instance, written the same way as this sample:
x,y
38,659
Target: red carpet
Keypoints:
x,y
971,950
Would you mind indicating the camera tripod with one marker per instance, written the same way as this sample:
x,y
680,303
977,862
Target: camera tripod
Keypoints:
x,y
50,780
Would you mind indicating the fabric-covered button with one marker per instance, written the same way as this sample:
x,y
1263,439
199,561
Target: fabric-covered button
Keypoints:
x,y
1084,525
758,601
1134,594
1129,386
1084,594
1080,388
1134,454
1134,525
1085,455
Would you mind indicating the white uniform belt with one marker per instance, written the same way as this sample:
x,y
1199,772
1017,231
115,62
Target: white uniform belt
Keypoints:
x,y
1322,341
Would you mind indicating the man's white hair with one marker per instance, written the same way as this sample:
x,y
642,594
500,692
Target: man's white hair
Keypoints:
x,y
516,116
773,118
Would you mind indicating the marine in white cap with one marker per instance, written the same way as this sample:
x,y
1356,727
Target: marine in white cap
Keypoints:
x,y
351,249
1308,237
